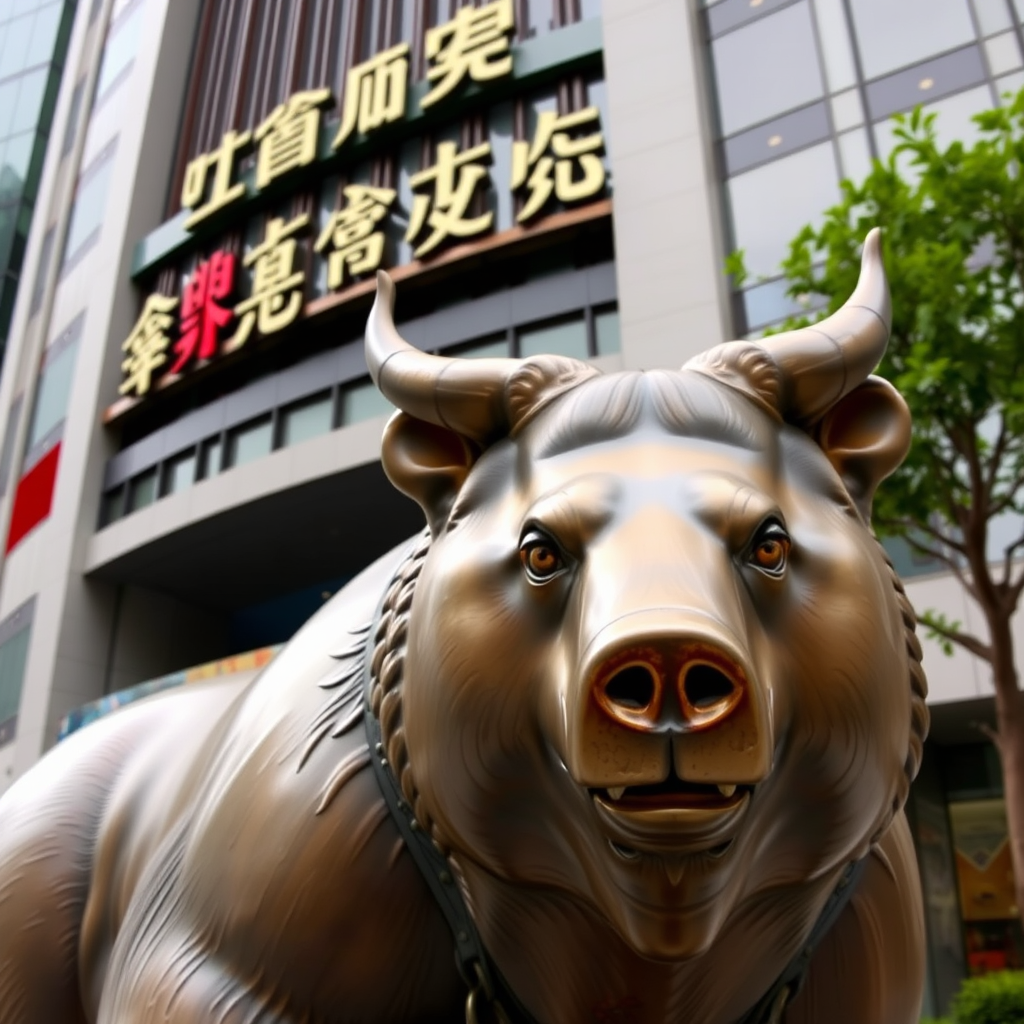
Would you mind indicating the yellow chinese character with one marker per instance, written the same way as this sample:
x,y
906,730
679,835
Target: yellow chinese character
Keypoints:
x,y
222,192
276,297
374,93
147,344
569,153
351,234
474,44
453,185
289,135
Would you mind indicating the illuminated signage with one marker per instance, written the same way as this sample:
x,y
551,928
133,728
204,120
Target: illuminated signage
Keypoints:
x,y
561,162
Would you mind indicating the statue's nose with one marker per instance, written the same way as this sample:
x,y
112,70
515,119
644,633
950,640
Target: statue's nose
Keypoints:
x,y
668,683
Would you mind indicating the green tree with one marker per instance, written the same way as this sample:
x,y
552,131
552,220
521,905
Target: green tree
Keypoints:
x,y
953,240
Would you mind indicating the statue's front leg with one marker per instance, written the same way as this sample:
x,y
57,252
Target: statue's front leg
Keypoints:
x,y
870,966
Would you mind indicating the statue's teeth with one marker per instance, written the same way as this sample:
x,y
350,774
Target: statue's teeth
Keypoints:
x,y
616,792
727,790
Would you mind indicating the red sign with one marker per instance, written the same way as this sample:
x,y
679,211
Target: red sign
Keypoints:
x,y
201,316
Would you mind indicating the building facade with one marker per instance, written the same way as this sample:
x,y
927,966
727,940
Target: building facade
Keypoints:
x,y
188,465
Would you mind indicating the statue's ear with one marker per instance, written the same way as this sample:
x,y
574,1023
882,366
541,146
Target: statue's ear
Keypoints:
x,y
866,435
428,463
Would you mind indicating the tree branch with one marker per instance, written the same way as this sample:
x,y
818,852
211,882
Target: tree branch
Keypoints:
x,y
964,640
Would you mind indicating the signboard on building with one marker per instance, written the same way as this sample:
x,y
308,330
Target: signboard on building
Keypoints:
x,y
230,298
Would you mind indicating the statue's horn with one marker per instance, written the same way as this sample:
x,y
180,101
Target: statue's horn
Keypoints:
x,y
820,364
464,395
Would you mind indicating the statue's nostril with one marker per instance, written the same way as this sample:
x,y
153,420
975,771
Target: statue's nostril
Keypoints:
x,y
632,687
706,686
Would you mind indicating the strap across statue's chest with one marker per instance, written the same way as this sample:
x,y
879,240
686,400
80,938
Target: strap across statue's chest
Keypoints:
x,y
490,997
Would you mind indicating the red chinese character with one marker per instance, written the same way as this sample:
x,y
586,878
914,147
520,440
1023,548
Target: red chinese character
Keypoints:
x,y
201,317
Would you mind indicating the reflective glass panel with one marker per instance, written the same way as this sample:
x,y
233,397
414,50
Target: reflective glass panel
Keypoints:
x,y
142,490
180,473
993,16
766,68
954,122
113,505
52,394
90,203
122,44
855,154
363,401
44,35
30,101
14,42
771,203
250,442
835,44
490,348
310,419
606,331
895,33
13,655
564,339
212,463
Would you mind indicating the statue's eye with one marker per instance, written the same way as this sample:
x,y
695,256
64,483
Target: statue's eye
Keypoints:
x,y
541,557
770,550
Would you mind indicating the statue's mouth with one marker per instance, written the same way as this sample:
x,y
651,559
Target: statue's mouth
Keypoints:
x,y
672,816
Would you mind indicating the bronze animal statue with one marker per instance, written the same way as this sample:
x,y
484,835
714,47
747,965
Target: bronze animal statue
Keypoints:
x,y
629,730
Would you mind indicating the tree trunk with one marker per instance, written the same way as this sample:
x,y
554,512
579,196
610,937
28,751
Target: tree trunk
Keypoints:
x,y
1010,742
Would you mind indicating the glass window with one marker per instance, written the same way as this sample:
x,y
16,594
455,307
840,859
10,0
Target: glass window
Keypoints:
x,y
44,35
30,101
8,101
488,348
14,42
770,204
606,332
142,490
362,402
113,505
855,154
212,461
539,17
729,14
993,16
90,203
929,81
17,157
250,442
13,656
308,419
775,139
847,111
954,121
565,339
52,394
180,473
835,44
8,446
766,68
895,33
1003,53
121,47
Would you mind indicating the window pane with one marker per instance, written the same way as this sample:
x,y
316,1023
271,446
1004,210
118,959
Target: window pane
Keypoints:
x,y
142,491
364,401
14,41
13,655
30,101
17,156
212,463
770,204
766,68
8,101
180,473
895,33
44,35
606,330
87,214
113,505
993,16
942,76
122,44
565,339
250,442
75,112
855,155
301,422
52,394
488,348
954,121
835,44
